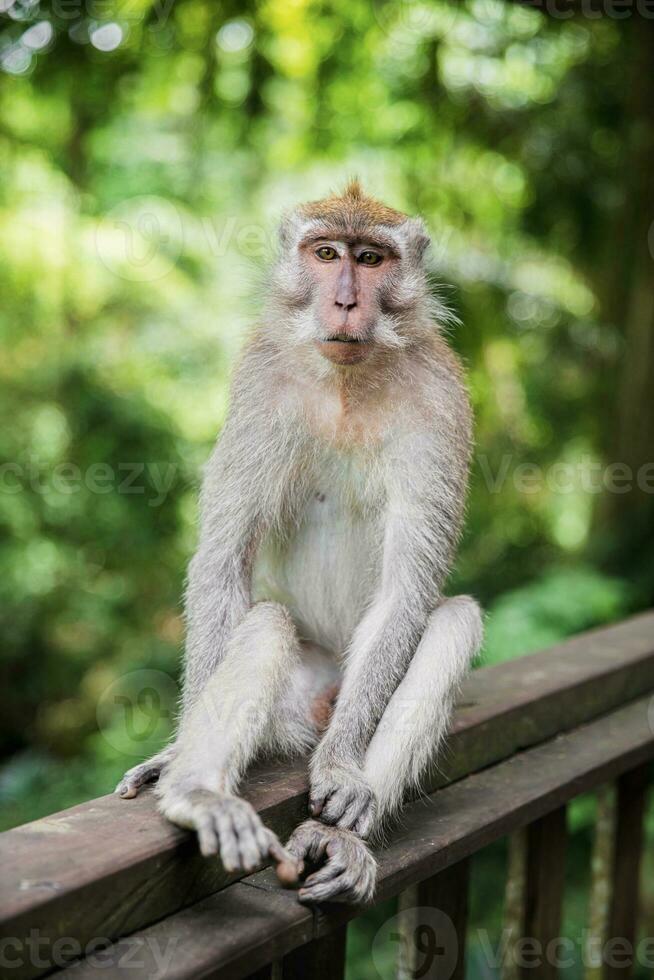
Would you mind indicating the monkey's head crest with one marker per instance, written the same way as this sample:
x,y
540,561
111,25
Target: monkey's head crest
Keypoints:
x,y
354,208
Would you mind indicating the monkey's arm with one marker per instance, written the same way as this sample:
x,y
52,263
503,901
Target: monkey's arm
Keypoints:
x,y
217,592
247,485
237,654
217,595
426,490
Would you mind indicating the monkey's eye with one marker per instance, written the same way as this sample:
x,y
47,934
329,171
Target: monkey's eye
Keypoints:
x,y
370,258
326,253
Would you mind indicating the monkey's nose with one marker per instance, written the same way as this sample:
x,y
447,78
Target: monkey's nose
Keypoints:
x,y
345,306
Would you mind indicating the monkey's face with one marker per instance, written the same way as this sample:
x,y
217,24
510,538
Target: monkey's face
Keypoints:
x,y
348,280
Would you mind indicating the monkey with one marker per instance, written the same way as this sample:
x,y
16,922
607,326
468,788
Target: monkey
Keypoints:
x,y
330,512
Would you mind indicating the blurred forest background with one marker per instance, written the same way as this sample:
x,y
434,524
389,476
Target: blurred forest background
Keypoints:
x,y
146,149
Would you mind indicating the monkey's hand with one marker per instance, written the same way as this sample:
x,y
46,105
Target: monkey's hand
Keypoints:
x,y
347,871
340,795
147,772
229,826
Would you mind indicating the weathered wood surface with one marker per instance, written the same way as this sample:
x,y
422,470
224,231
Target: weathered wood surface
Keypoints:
x,y
109,867
242,928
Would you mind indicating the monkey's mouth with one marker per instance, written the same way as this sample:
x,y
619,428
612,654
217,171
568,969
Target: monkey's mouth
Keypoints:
x,y
343,348
343,338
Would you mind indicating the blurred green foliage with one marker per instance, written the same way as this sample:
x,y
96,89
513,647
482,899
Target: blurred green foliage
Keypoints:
x,y
146,150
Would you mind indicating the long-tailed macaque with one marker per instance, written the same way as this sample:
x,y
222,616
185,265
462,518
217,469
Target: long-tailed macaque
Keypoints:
x,y
330,511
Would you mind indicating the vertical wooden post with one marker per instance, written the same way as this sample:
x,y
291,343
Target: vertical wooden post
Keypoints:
x,y
600,882
625,872
321,959
545,879
265,973
534,897
433,922
615,884
514,901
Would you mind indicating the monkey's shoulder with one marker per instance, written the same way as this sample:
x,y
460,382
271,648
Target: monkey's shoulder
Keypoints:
x,y
435,386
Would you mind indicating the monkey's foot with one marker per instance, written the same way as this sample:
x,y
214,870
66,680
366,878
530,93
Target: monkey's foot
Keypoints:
x,y
147,772
348,870
231,827
341,796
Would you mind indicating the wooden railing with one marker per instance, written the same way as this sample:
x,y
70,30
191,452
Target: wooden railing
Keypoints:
x,y
113,886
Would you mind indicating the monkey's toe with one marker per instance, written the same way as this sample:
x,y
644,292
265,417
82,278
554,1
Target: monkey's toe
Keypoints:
x,y
143,774
348,872
134,780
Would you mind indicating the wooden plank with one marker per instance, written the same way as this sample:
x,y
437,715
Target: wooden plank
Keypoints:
x,y
433,924
625,874
436,833
545,877
321,959
109,867
236,921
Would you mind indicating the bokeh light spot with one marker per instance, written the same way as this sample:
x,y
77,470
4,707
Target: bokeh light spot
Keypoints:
x,y
38,35
107,37
235,35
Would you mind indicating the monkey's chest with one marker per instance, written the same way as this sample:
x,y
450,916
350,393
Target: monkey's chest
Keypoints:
x,y
326,570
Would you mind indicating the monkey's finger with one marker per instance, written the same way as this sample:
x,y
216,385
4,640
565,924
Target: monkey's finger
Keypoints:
x,y
288,866
364,823
355,886
316,805
244,824
324,891
333,869
353,813
229,854
133,780
207,836
337,804
360,891
309,841
127,790
265,839
248,848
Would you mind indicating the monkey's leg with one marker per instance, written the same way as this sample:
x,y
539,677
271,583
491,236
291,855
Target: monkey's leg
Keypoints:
x,y
416,718
405,741
242,712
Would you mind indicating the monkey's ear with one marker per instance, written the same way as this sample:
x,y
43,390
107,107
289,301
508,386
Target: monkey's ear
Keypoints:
x,y
291,228
284,230
416,239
